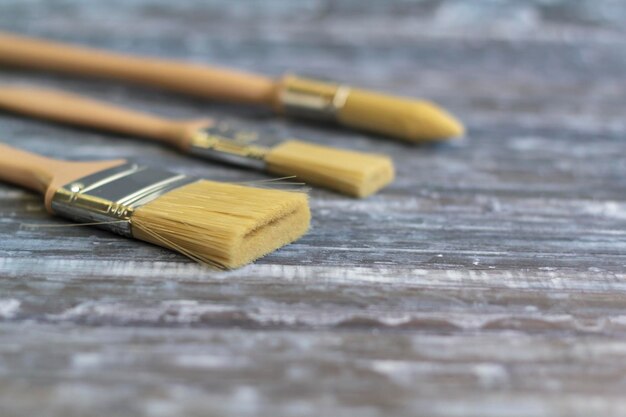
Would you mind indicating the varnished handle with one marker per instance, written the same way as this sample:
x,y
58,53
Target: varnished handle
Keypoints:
x,y
44,175
188,78
26,169
80,111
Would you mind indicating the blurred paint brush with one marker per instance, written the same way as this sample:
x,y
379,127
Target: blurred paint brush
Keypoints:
x,y
404,118
354,173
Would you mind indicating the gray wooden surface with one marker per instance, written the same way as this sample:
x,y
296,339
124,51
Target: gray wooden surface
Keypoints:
x,y
487,281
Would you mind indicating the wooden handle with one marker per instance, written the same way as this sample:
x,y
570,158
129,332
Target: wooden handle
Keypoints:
x,y
80,111
26,169
203,81
44,175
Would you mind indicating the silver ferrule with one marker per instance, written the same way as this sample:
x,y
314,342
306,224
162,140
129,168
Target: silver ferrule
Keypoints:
x,y
110,197
228,146
312,98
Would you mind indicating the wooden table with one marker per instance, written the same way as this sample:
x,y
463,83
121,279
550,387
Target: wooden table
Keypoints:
x,y
487,281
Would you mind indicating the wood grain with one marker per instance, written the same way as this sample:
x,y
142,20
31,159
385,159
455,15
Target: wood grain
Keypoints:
x,y
488,280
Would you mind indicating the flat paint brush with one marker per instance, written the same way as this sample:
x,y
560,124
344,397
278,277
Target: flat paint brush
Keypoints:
x,y
404,118
224,225
354,173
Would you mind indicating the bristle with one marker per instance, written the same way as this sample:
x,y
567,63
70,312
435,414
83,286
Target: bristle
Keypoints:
x,y
403,118
354,173
224,225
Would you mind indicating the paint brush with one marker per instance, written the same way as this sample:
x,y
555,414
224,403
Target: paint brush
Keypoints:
x,y
354,173
403,118
219,224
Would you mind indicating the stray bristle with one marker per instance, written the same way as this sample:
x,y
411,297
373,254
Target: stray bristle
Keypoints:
x,y
224,225
354,173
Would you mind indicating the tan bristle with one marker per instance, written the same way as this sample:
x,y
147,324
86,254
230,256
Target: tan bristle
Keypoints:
x,y
221,224
404,118
354,173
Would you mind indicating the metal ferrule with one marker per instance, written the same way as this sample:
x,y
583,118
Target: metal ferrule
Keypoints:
x,y
228,146
110,197
312,98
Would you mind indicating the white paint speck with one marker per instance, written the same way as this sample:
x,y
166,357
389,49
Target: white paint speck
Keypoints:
x,y
208,362
9,307
86,360
490,375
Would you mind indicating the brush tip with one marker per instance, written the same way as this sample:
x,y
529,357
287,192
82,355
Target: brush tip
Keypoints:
x,y
402,118
357,174
431,122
